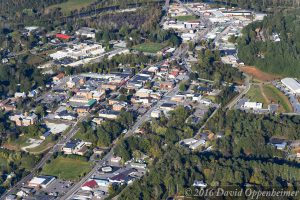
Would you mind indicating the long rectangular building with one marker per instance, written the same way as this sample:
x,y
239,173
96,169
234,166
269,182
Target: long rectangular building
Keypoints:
x,y
292,84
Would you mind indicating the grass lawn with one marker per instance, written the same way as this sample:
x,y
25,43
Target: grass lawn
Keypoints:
x,y
254,94
67,168
45,145
186,18
149,47
71,5
275,96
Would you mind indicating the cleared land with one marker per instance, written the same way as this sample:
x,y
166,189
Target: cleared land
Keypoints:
x,y
67,168
186,18
258,74
44,146
149,47
255,94
276,96
267,94
17,144
71,5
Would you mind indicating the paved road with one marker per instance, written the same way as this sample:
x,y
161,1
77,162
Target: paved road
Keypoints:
x,y
145,117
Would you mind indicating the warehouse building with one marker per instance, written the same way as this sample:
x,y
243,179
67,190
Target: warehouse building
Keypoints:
x,y
292,84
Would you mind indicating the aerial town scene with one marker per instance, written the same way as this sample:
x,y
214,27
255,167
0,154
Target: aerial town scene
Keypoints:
x,y
149,99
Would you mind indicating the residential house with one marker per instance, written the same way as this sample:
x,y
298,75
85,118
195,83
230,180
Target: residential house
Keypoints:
x,y
58,77
167,85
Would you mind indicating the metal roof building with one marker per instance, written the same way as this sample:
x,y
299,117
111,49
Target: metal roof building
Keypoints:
x,y
292,84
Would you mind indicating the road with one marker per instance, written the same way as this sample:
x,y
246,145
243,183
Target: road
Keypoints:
x,y
145,117
233,102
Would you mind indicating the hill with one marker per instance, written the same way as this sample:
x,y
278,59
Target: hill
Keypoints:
x,y
273,44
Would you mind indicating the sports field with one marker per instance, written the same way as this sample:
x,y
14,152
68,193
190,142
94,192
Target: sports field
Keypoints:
x,y
149,47
186,18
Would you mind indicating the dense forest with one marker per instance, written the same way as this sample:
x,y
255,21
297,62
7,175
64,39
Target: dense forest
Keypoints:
x,y
13,166
257,46
210,67
262,5
242,157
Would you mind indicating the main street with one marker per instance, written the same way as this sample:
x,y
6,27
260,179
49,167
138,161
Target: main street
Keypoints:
x,y
144,118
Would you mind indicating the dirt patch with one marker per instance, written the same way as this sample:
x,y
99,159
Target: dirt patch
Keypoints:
x,y
10,147
263,93
258,74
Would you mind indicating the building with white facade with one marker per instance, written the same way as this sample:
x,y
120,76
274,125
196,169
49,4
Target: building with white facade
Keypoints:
x,y
292,84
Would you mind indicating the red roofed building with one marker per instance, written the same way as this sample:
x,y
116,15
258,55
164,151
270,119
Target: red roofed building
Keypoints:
x,y
89,185
62,36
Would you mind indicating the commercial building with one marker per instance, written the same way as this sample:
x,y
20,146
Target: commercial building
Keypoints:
x,y
292,84
252,105
41,181
24,120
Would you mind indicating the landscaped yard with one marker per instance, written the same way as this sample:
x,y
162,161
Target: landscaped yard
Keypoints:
x,y
149,47
71,5
186,18
67,168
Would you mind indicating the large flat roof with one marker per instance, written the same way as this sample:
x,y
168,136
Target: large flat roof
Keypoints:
x,y
292,84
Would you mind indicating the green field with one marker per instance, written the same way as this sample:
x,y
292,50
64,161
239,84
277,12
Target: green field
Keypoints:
x,y
45,145
254,94
186,18
149,47
67,168
275,96
71,5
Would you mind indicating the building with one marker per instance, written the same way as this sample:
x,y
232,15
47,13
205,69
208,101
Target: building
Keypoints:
x,y
166,85
109,114
188,141
41,181
116,159
292,84
62,36
197,144
89,185
75,147
252,105
58,77
24,120
143,93
155,114
168,106
86,32
138,165
199,184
